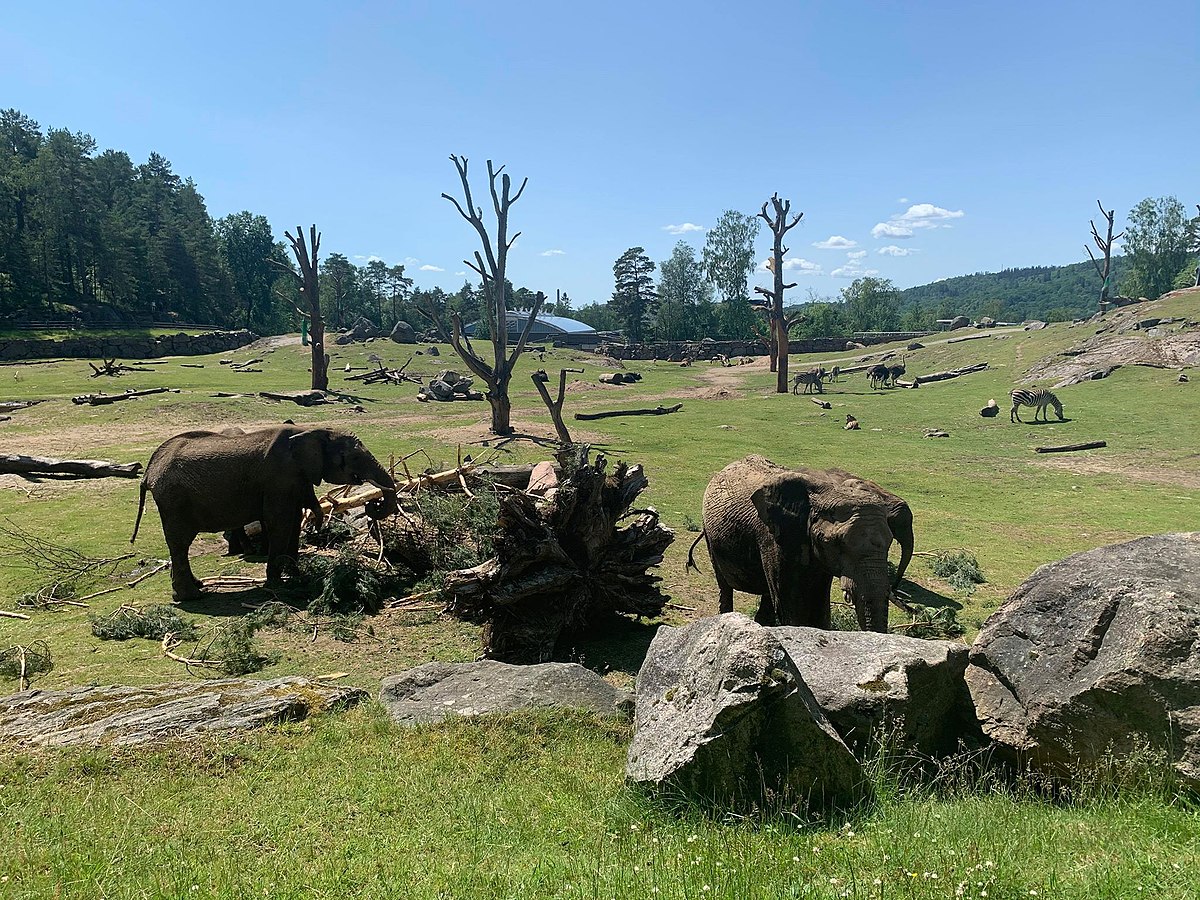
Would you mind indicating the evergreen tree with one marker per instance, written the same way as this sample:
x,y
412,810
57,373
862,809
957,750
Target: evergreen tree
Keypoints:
x,y
634,300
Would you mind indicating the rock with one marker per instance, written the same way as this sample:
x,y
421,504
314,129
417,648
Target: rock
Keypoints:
x,y
915,345
363,329
1094,652
958,322
864,681
543,480
855,345
1183,378
433,351
436,691
403,333
1089,375
124,715
1035,325
723,715
986,322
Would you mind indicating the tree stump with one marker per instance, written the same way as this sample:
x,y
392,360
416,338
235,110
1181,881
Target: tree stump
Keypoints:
x,y
563,568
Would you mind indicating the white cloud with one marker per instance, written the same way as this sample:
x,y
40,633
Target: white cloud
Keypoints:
x,y
408,260
893,250
852,270
801,266
460,273
856,254
554,253
891,230
902,200
926,215
835,242
685,228
429,268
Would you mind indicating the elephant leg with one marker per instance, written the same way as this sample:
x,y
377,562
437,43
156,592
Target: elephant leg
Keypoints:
x,y
726,595
184,585
807,600
767,614
283,541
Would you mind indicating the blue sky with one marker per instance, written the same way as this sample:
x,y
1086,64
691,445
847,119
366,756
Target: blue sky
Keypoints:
x,y
963,136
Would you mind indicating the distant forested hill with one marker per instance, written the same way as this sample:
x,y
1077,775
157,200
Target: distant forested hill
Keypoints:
x,y
1051,293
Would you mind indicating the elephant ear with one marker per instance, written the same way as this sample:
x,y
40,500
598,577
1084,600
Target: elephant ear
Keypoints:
x,y
309,449
784,506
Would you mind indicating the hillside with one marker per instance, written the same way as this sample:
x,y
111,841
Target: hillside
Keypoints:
x,y
1049,293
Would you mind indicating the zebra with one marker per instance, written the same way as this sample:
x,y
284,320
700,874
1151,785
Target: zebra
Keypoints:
x,y
811,381
834,374
878,375
1040,399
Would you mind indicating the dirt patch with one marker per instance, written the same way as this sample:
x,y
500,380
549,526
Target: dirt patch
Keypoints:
x,y
707,393
580,387
1122,468
272,342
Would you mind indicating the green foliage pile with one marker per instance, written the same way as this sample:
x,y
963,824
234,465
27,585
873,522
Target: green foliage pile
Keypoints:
x,y
232,646
32,660
151,622
343,584
959,569
935,622
449,531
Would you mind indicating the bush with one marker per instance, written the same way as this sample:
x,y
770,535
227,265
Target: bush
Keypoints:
x,y
343,584
233,646
959,569
152,622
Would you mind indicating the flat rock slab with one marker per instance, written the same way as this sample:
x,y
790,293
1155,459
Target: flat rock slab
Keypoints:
x,y
864,681
127,715
435,691
723,716
1097,655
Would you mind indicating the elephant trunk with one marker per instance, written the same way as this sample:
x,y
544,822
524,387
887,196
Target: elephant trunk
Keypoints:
x,y
867,589
902,531
389,503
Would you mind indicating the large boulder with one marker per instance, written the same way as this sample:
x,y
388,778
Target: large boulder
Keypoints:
x,y
403,333
723,715
125,715
958,322
436,691
363,329
913,690
1097,655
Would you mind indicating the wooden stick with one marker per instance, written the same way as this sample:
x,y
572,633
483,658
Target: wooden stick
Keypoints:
x,y
824,404
1070,448
81,600
12,615
105,399
86,468
658,411
162,565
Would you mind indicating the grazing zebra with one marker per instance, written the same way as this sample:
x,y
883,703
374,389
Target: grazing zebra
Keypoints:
x,y
834,374
1040,399
811,381
878,375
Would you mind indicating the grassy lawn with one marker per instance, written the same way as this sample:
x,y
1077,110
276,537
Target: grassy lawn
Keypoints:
x,y
534,806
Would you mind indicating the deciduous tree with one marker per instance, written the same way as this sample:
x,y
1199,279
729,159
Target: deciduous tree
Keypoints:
x,y
1156,245
728,260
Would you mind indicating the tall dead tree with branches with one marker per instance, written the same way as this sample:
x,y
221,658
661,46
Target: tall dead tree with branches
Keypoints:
x,y
306,259
490,265
772,303
1105,245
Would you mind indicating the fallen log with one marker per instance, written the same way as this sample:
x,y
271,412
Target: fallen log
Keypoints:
x,y
105,399
248,362
302,398
192,365
657,411
14,405
824,404
112,368
612,378
13,464
952,373
1070,448
973,337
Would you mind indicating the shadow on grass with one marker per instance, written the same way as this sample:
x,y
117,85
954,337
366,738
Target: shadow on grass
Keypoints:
x,y
911,592
228,603
621,648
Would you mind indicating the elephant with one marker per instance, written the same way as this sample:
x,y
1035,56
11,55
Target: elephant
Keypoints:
x,y
785,533
219,481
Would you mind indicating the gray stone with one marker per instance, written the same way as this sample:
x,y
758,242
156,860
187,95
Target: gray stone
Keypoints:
x,y
1035,325
723,715
958,322
436,690
125,715
402,333
363,329
1097,654
863,681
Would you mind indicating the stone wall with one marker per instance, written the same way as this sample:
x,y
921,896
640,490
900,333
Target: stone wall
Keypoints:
x,y
126,346
679,350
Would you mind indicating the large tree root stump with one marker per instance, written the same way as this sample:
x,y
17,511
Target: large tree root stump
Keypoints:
x,y
564,567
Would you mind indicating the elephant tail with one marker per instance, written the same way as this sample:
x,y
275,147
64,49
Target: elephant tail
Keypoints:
x,y
141,505
691,562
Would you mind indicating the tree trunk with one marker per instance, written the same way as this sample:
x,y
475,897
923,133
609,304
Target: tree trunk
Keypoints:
x,y
497,396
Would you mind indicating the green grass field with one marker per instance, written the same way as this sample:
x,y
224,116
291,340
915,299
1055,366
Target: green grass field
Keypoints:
x,y
534,806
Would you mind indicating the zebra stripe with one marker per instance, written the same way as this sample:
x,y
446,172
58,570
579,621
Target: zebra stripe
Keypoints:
x,y
1039,399
811,381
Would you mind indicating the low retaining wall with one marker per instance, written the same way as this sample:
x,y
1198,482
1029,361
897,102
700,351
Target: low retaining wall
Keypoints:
x,y
131,346
679,350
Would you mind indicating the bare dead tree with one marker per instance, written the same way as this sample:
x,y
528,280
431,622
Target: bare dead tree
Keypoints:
x,y
772,305
306,259
555,406
1105,245
490,266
